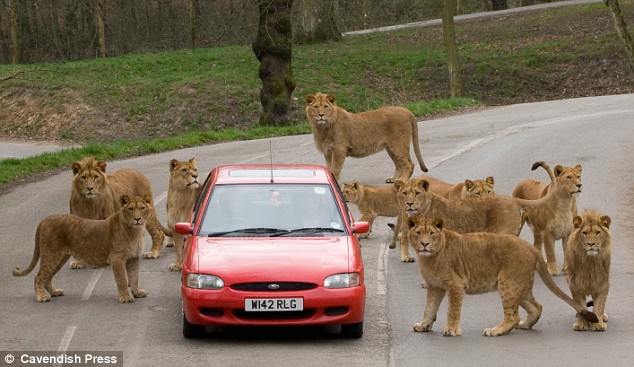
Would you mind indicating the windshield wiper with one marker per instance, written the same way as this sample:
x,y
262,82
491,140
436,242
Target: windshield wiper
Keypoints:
x,y
257,230
309,230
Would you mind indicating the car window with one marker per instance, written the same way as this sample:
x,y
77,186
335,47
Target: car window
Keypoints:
x,y
272,210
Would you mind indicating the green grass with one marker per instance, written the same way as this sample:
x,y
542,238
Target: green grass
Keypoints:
x,y
173,100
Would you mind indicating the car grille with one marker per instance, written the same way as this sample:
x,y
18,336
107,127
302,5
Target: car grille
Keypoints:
x,y
275,315
273,286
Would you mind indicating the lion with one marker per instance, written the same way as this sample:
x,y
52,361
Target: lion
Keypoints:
x,y
95,195
181,196
491,213
554,221
471,189
588,254
476,263
116,241
339,134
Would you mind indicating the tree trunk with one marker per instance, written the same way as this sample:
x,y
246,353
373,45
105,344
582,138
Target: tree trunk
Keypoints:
x,y
449,37
101,29
192,23
621,27
317,21
15,39
272,47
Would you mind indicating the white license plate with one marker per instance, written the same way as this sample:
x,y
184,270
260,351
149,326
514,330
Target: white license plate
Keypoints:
x,y
273,304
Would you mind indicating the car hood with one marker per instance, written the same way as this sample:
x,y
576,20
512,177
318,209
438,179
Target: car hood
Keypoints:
x,y
279,259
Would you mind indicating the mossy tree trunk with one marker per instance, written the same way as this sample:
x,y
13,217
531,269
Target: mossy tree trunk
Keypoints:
x,y
621,27
449,37
272,47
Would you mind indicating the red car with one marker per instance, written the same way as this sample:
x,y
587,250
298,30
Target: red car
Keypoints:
x,y
272,245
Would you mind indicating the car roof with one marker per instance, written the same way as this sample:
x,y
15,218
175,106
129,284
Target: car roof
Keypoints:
x,y
262,173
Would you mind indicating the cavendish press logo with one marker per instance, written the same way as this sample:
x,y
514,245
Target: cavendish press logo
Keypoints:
x,y
50,358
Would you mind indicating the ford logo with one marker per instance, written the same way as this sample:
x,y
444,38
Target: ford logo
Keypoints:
x,y
274,287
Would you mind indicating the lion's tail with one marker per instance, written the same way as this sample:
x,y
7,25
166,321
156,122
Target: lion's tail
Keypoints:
x,y
542,270
526,203
168,231
36,257
419,157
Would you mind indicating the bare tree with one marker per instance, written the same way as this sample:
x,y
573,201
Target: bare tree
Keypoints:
x,y
272,47
449,37
15,42
193,11
621,27
101,29
316,21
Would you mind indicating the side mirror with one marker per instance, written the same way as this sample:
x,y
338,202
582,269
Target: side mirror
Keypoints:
x,y
360,227
184,228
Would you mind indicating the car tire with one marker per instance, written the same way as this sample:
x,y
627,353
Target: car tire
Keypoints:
x,y
352,331
191,331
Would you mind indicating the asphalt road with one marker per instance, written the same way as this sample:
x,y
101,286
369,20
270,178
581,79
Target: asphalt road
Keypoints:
x,y
504,142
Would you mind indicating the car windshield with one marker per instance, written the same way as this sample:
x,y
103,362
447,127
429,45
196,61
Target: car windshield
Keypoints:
x,y
272,210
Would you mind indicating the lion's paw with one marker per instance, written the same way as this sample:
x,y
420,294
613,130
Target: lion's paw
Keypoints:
x,y
169,244
552,269
76,264
599,326
56,292
364,235
452,331
392,245
176,267
151,255
420,327
423,285
389,180
580,326
126,298
494,331
407,259
139,293
43,297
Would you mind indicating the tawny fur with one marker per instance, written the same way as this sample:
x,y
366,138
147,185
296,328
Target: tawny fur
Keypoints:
x,y
372,201
95,195
469,189
339,134
181,196
552,222
116,241
476,263
491,213
588,254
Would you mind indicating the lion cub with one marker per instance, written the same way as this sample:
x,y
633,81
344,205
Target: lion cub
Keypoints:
x,y
181,196
116,241
553,221
476,263
588,254
372,201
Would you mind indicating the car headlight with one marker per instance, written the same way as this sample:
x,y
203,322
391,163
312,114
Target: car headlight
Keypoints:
x,y
204,281
345,280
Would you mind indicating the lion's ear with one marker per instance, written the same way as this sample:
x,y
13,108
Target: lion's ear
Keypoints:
x,y
468,184
310,99
101,165
192,160
490,180
148,199
76,167
605,221
398,183
577,221
424,184
558,170
438,223
124,199
173,164
330,98
354,184
578,168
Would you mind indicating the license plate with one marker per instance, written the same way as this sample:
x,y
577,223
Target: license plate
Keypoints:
x,y
273,304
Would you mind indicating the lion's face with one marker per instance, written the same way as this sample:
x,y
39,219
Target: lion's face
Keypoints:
x,y
592,234
479,188
425,235
184,174
569,178
352,192
89,177
413,194
135,211
321,108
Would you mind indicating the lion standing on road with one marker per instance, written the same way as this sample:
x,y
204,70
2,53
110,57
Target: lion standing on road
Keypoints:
x,y
339,134
95,195
116,241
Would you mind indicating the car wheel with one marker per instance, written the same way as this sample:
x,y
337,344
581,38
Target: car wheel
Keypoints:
x,y
191,331
352,331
